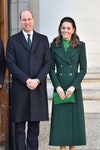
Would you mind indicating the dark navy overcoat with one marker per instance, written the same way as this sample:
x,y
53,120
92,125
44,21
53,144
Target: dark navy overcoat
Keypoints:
x,y
28,105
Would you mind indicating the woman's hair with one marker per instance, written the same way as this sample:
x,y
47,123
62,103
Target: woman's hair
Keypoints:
x,y
74,39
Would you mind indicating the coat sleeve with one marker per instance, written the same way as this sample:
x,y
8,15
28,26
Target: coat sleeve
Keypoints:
x,y
82,67
52,72
11,62
2,63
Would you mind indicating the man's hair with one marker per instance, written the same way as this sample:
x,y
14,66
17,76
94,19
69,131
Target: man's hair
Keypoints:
x,y
25,10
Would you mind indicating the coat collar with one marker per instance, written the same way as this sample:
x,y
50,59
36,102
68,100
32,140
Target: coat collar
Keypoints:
x,y
61,52
24,42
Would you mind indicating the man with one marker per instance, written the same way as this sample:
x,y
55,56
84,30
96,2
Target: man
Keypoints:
x,y
29,65
2,64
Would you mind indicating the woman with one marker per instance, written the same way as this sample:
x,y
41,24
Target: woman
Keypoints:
x,y
67,71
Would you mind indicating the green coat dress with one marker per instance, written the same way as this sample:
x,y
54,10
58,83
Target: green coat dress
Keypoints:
x,y
67,120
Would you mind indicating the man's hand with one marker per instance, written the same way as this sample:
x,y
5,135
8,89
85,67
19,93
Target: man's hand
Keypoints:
x,y
32,83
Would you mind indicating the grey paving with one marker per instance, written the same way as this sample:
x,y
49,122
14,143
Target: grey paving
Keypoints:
x,y
92,133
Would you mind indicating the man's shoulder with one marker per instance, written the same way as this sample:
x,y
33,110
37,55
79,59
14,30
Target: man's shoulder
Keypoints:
x,y
15,34
39,34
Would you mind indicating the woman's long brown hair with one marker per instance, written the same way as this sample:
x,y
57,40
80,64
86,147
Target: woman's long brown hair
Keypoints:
x,y
74,39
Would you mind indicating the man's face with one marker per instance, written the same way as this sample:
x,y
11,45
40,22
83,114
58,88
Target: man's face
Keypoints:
x,y
27,21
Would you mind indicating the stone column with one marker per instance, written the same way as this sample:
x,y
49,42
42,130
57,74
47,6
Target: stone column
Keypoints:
x,y
15,7
34,7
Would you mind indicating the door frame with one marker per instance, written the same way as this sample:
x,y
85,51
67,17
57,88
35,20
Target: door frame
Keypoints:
x,y
4,93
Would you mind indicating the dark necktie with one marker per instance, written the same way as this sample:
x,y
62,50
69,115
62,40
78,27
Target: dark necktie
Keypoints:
x,y
29,40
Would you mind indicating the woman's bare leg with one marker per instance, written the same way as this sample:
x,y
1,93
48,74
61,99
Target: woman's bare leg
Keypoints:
x,y
72,148
62,147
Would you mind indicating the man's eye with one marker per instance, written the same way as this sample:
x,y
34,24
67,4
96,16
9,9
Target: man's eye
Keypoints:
x,y
24,19
29,19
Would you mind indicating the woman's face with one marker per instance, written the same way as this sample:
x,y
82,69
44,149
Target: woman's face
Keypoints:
x,y
67,30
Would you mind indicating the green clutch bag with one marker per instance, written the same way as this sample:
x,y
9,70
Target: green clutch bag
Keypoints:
x,y
58,100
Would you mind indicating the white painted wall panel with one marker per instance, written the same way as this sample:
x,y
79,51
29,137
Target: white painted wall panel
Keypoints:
x,y
87,16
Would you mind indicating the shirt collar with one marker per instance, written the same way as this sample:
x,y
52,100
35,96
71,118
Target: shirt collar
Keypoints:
x,y
25,34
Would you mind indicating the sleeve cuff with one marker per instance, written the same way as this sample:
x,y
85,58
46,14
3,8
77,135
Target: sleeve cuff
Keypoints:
x,y
37,80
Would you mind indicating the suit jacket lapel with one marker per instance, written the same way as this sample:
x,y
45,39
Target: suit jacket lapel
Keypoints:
x,y
23,41
35,41
61,52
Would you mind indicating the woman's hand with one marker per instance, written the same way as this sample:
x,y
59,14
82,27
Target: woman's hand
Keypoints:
x,y
69,91
60,92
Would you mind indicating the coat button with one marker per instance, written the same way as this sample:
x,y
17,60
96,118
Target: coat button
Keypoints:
x,y
61,66
60,74
70,66
70,74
